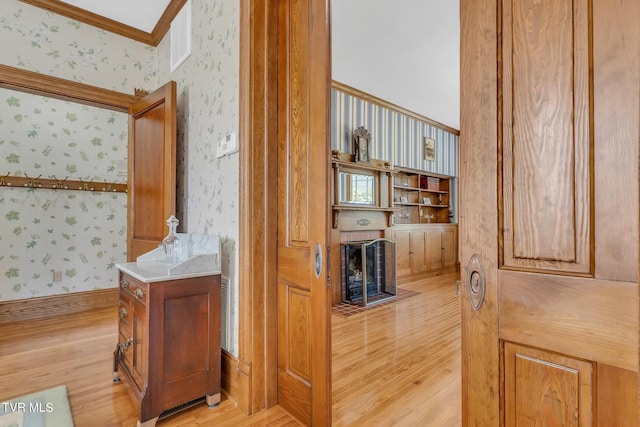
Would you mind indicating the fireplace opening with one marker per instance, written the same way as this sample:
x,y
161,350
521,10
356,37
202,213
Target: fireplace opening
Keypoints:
x,y
368,271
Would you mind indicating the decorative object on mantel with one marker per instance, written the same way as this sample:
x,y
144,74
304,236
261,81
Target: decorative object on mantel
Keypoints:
x,y
361,145
9,180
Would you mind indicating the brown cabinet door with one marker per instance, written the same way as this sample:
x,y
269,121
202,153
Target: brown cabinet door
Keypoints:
x,y
550,112
434,241
449,247
418,252
403,253
152,169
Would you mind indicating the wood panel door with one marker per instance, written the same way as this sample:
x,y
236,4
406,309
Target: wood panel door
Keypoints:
x,y
304,300
549,148
151,196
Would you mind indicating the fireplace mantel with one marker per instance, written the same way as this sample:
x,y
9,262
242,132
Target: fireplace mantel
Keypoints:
x,y
362,187
337,209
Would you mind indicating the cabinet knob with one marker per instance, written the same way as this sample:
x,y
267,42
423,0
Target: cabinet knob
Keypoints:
x,y
139,293
124,284
123,313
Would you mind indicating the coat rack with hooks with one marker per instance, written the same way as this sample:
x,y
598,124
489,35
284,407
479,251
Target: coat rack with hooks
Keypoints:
x,y
26,181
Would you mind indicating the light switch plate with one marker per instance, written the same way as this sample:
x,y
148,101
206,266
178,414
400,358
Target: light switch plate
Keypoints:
x,y
227,145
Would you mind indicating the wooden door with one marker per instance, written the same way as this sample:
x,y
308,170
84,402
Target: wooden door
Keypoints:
x,y
151,195
550,95
304,303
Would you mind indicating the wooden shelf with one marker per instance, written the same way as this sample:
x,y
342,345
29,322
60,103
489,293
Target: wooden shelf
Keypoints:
x,y
410,190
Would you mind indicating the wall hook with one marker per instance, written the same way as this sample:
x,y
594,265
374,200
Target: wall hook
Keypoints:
x,y
59,183
32,182
4,179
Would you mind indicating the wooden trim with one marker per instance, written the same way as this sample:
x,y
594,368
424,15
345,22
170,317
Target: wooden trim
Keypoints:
x,y
93,19
153,38
257,346
55,305
164,23
99,21
67,90
386,104
229,375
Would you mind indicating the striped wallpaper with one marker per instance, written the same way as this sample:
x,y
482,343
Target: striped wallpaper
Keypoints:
x,y
395,137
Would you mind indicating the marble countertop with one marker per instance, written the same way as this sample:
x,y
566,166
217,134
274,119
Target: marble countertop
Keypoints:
x,y
152,271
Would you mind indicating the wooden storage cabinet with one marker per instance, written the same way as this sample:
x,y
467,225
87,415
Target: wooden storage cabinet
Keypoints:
x,y
169,342
425,250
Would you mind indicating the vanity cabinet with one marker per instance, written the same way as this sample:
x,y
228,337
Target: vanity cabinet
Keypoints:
x,y
168,349
425,250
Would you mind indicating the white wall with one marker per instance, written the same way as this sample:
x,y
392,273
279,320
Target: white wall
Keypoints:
x,y
405,52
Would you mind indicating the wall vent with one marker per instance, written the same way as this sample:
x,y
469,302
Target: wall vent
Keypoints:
x,y
225,320
181,36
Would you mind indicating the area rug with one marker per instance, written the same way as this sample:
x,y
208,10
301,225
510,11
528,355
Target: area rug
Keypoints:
x,y
346,309
48,408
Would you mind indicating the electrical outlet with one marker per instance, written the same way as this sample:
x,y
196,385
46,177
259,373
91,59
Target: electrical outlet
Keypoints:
x,y
57,276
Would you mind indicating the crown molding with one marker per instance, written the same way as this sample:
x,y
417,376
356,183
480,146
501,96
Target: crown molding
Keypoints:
x,y
90,18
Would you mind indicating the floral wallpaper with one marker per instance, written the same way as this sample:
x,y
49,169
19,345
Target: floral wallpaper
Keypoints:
x,y
41,41
208,110
76,233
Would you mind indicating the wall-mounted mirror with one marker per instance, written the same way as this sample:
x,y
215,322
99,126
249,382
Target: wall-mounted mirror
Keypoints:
x,y
357,188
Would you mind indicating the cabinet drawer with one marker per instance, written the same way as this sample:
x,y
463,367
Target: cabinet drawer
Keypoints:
x,y
134,288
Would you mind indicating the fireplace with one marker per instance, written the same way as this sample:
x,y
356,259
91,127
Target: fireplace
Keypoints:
x,y
368,271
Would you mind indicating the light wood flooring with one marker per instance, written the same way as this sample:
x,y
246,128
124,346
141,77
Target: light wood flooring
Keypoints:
x,y
393,365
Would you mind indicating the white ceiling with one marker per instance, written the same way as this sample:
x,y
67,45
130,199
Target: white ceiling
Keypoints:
x,y
405,52
140,14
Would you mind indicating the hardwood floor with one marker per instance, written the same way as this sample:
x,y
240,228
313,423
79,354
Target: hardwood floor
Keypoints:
x,y
393,365
399,365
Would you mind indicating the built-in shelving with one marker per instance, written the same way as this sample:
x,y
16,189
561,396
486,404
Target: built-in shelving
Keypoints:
x,y
422,198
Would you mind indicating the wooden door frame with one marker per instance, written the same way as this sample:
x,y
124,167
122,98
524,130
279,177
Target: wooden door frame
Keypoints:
x,y
257,370
258,309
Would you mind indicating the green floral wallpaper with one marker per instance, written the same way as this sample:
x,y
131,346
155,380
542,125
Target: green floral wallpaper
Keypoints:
x,y
41,41
80,234
208,109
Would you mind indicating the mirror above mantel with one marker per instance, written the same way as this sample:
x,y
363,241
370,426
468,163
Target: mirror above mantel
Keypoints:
x,y
361,187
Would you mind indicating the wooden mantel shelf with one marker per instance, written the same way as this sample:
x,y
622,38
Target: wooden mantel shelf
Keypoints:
x,y
375,165
336,209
